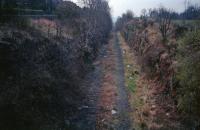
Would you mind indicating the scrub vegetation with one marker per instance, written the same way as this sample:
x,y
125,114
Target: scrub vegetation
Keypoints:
x,y
165,47
43,59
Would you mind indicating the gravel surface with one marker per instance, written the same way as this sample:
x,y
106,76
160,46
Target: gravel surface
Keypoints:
x,y
122,102
86,118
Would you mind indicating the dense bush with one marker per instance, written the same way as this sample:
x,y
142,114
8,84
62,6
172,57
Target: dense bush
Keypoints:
x,y
189,73
40,76
121,21
175,66
149,51
67,10
38,83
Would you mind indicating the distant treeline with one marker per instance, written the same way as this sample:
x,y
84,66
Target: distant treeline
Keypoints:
x,y
191,13
18,5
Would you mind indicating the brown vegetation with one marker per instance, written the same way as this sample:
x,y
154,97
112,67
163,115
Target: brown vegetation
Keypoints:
x,y
153,98
150,110
168,84
43,62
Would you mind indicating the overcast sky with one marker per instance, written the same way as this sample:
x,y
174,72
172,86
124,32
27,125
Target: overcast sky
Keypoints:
x,y
120,6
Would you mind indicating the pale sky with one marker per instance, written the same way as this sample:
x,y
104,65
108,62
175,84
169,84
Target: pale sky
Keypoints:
x,y
120,6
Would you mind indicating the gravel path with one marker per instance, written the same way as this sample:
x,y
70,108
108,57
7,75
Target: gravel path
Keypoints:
x,y
86,118
122,100
89,112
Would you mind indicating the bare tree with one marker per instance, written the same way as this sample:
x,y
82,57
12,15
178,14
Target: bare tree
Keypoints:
x,y
144,13
97,20
144,16
129,14
186,4
92,4
164,19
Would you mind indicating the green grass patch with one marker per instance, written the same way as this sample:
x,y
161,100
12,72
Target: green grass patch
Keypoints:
x,y
130,76
131,85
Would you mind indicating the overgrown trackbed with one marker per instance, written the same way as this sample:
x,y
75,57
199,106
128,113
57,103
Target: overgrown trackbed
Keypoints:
x,y
106,107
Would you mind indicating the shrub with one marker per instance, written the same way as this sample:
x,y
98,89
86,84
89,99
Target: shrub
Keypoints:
x,y
40,77
189,73
38,84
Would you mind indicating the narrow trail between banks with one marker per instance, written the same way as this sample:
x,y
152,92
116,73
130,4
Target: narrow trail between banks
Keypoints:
x,y
106,106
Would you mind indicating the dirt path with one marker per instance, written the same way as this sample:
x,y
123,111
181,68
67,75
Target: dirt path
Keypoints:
x,y
122,101
113,100
86,118
106,107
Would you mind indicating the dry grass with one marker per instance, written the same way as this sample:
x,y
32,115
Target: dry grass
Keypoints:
x,y
150,110
44,25
49,27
